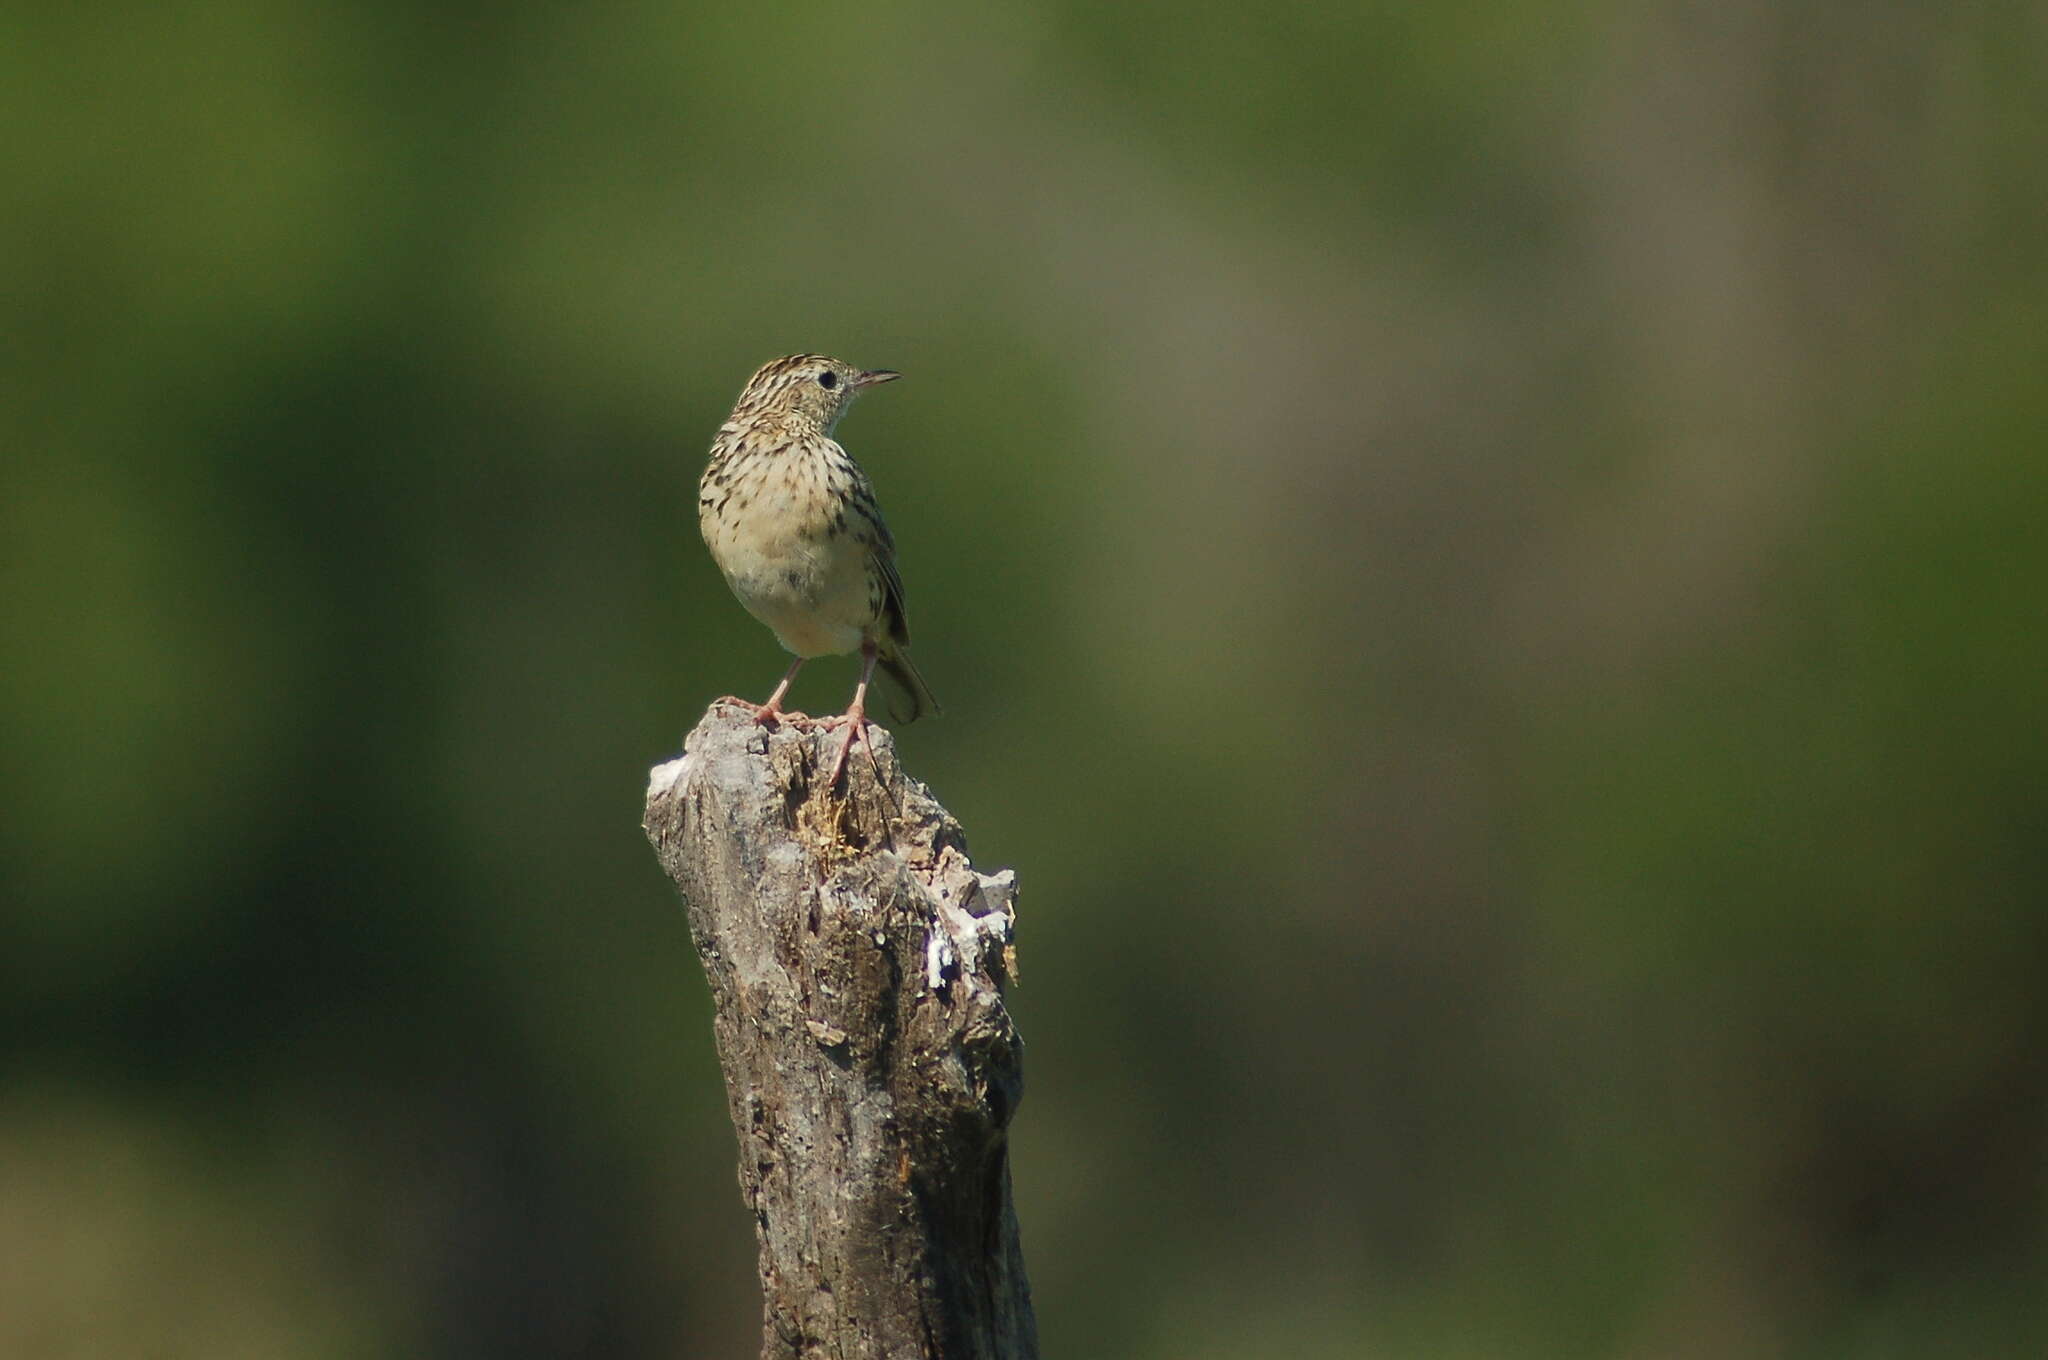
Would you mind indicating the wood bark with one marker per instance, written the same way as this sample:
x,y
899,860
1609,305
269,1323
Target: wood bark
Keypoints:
x,y
856,961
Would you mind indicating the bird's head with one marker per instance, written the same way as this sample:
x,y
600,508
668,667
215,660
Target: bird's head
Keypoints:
x,y
809,390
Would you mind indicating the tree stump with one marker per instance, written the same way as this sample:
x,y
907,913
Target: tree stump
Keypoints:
x,y
856,961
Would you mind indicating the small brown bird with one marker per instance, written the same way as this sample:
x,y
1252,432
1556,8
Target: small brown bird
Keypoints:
x,y
792,522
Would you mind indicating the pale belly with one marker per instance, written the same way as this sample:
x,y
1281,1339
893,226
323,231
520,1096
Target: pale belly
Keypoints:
x,y
813,594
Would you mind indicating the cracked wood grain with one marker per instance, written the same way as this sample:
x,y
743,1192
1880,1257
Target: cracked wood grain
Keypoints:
x,y
856,960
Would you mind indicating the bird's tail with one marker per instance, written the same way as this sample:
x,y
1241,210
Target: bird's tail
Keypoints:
x,y
915,695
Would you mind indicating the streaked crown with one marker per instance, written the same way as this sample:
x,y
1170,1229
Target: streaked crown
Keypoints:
x,y
811,390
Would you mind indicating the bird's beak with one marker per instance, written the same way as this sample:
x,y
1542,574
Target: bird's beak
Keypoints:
x,y
874,376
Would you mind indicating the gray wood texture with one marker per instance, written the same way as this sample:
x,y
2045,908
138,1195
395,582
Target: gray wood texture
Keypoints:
x,y
856,961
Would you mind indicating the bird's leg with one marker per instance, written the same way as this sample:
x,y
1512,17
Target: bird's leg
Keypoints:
x,y
765,714
857,713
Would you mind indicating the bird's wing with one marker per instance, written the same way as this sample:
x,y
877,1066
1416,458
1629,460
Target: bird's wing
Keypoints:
x,y
892,590
881,554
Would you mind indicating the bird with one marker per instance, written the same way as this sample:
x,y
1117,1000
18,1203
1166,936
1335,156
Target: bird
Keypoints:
x,y
792,523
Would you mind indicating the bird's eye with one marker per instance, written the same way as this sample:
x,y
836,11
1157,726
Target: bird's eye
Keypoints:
x,y
828,380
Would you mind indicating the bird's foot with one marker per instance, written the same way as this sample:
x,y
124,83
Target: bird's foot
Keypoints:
x,y
767,715
855,722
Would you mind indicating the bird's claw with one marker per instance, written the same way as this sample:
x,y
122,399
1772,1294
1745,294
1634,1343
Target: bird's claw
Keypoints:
x,y
767,715
856,725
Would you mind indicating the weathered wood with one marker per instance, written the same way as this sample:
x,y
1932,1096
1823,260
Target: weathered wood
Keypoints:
x,y
856,960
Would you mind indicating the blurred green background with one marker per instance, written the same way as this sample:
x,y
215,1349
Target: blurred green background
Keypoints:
x,y
1484,562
